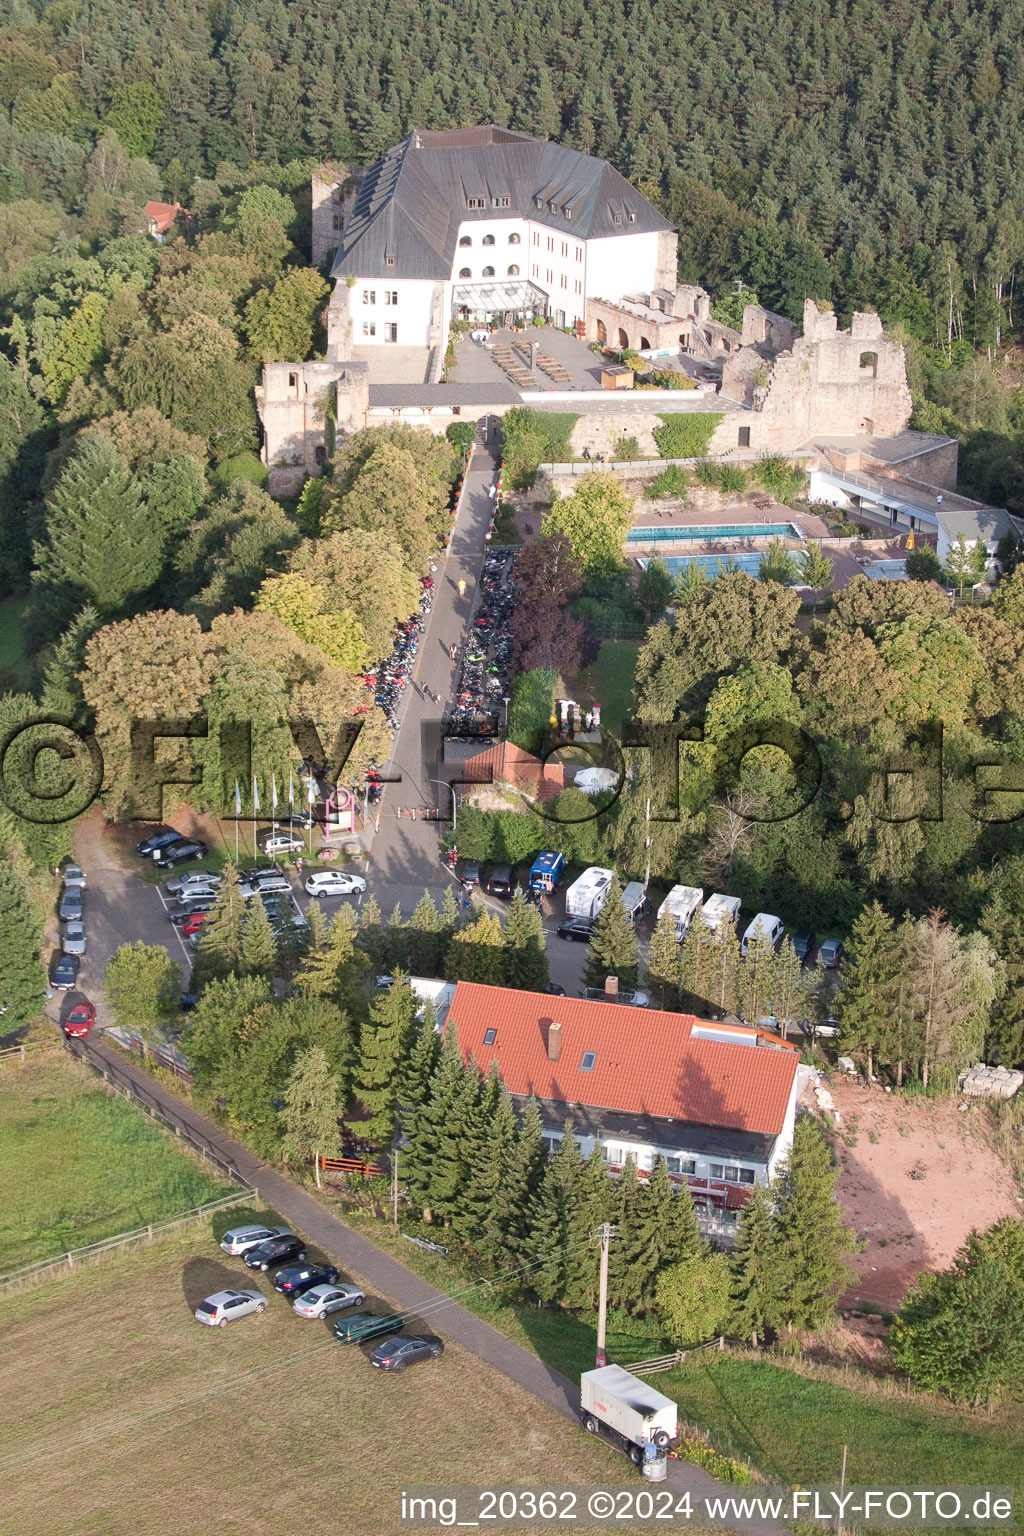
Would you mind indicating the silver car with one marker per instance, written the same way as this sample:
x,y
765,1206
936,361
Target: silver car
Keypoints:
x,y
242,1238
72,940
202,878
223,1307
270,885
323,1299
73,875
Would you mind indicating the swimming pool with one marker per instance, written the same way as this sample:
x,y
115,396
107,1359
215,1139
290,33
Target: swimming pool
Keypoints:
x,y
743,560
886,570
711,533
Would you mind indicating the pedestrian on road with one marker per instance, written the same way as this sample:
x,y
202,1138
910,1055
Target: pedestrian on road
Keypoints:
x,y
462,586
453,651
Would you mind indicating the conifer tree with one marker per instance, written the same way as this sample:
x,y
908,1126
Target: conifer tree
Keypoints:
x,y
697,964
725,969
416,1072
477,1151
790,986
495,1187
664,963
581,1260
385,1041
336,970
424,938
873,966
755,1275
372,938
312,1106
625,1212
475,952
556,1217
658,1227
813,1242
612,950
396,944
451,918
509,1225
220,950
259,947
757,970
526,960
456,1124
317,925
426,1123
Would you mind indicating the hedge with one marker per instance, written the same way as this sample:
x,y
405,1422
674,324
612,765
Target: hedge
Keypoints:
x,y
531,708
686,436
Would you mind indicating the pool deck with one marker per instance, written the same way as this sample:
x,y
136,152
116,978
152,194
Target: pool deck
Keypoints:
x,y
745,509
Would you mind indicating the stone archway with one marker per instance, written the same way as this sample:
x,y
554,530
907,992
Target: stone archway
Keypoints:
x,y
602,334
645,345
623,338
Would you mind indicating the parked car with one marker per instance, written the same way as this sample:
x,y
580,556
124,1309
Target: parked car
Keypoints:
x,y
321,1300
303,819
274,884
554,990
826,1031
334,882
279,841
276,1250
830,952
239,1239
396,1353
365,1325
186,909
576,929
73,875
499,882
765,927
72,905
72,940
181,852
203,879
80,1020
258,872
224,1306
803,943
296,1278
193,923
161,837
64,972
470,874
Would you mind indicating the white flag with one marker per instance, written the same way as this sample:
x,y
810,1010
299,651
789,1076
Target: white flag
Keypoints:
x,y
311,790
255,794
238,799
291,793
273,792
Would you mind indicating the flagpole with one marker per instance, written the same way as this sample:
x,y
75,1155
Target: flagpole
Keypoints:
x,y
255,808
238,813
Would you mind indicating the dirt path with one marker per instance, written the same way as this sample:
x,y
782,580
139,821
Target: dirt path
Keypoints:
x,y
919,1175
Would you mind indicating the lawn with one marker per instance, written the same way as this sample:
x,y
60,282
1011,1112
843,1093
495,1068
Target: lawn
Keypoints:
x,y
78,1164
142,1420
12,640
608,681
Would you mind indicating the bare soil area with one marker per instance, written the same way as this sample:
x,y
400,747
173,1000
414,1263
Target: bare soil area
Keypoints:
x,y
917,1176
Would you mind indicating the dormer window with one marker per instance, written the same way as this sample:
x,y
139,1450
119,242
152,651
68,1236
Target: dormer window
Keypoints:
x,y
552,206
538,202
476,202
631,216
616,218
500,202
568,213
389,261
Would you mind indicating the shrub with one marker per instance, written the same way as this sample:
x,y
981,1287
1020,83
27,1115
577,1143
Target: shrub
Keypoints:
x,y
705,472
241,466
670,379
672,481
782,480
923,564
461,434
627,448
531,709
732,479
635,361
531,438
686,436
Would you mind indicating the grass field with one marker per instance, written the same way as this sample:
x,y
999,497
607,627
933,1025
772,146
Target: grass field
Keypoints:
x,y
78,1164
791,1427
131,1418
609,681
12,642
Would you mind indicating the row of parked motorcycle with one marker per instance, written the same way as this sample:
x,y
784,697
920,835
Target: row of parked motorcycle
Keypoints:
x,y
391,678
484,671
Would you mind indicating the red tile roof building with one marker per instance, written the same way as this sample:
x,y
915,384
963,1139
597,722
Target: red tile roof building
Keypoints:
x,y
716,1100
505,763
160,217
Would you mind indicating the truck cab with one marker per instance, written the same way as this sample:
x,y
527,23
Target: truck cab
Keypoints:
x,y
547,871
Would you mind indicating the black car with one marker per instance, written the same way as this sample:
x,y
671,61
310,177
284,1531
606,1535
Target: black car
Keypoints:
x,y
396,1353
185,909
470,873
296,1278
499,882
803,943
276,1250
576,929
180,852
304,819
64,972
163,837
554,990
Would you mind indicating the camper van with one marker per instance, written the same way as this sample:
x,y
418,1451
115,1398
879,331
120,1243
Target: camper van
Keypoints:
x,y
721,911
684,902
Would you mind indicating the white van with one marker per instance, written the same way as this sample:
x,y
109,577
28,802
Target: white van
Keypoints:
x,y
766,927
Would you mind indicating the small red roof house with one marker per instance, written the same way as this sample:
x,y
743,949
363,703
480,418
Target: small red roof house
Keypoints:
x,y
160,218
717,1101
505,763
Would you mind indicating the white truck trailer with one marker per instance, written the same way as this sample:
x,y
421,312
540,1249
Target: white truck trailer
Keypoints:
x,y
719,911
629,1411
683,901
587,895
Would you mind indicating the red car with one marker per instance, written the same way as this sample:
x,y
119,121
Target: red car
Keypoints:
x,y
79,1021
193,923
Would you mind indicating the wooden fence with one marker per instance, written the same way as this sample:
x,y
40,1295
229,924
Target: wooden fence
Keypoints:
x,y
47,1269
669,1362
352,1165
19,1053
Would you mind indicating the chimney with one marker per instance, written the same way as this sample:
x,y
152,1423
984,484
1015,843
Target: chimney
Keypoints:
x,y
554,1040
611,989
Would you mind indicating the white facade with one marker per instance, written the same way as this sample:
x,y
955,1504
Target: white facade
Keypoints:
x,y
392,310
622,264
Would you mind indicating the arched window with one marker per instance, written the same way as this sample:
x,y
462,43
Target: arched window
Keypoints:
x,y
465,240
513,239
513,271
465,272
487,272
487,240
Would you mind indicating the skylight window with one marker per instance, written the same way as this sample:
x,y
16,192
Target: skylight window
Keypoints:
x,y
589,1058
490,1035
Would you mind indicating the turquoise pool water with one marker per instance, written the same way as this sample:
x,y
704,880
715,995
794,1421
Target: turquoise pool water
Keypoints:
x,y
706,535
743,560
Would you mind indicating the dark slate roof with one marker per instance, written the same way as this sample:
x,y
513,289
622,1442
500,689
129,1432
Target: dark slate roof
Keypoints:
x,y
671,1135
410,204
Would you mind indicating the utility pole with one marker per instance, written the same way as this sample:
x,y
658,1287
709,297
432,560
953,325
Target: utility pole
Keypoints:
x,y
394,1184
607,1233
